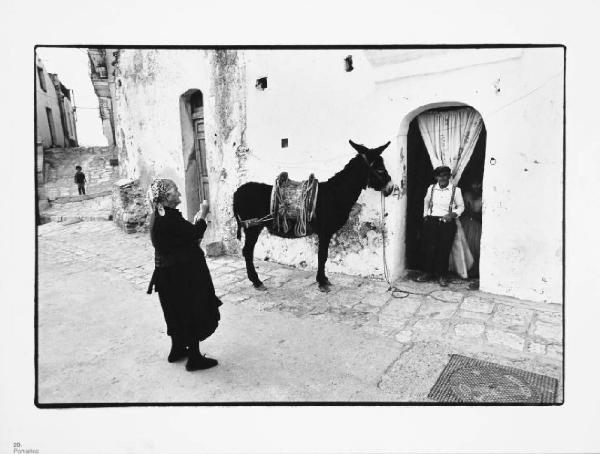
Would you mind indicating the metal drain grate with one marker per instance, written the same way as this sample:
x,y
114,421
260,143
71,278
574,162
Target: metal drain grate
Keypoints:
x,y
469,380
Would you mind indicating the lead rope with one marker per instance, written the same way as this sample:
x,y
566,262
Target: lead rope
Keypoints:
x,y
396,292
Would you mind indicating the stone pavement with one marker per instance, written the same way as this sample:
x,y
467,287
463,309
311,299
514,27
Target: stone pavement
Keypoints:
x,y
93,207
290,343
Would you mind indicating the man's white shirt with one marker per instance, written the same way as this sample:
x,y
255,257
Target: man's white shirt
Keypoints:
x,y
441,201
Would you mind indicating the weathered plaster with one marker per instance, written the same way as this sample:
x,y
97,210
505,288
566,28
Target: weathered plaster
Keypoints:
x,y
149,126
522,239
314,103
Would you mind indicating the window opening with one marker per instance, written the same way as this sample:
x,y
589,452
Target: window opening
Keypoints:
x,y
261,83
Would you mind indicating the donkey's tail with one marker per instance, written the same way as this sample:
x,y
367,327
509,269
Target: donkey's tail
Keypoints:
x,y
239,228
237,216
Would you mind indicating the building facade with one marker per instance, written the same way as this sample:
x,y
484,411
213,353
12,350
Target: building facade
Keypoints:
x,y
214,119
55,110
102,73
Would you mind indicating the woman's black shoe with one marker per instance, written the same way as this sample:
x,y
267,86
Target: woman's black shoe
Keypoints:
x,y
200,362
177,353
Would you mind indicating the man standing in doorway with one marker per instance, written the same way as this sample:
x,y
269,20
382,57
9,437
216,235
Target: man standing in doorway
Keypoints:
x,y
80,180
443,204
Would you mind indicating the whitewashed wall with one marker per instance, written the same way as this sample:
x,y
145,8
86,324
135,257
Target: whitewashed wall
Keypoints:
x,y
317,106
148,124
520,98
313,102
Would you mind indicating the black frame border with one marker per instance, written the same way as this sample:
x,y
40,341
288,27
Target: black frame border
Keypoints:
x,y
293,403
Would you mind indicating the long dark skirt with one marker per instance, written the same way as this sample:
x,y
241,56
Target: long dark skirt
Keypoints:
x,y
188,300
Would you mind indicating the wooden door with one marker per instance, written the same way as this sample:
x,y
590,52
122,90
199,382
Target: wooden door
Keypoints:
x,y
200,150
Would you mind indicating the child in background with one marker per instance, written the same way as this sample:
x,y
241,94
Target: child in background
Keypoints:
x,y
80,180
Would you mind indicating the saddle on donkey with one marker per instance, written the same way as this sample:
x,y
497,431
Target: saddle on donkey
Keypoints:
x,y
293,205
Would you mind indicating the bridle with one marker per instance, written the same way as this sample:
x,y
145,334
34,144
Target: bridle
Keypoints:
x,y
372,171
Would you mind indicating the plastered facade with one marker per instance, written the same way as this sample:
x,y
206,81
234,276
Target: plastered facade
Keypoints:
x,y
314,103
47,88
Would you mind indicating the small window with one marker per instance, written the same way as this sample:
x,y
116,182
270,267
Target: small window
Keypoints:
x,y
41,78
261,84
284,143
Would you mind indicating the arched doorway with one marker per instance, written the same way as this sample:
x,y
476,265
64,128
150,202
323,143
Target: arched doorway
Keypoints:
x,y
418,178
191,105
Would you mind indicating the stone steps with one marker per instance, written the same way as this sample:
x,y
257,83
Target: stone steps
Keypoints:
x,y
89,207
100,217
58,169
79,198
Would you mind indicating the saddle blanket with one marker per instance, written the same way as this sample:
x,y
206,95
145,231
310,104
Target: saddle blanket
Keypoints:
x,y
293,205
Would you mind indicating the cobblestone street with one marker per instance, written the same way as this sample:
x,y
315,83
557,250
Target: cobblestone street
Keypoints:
x,y
96,207
102,338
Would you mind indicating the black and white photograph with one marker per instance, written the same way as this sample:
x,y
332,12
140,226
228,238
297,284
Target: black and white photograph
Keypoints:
x,y
258,225
299,227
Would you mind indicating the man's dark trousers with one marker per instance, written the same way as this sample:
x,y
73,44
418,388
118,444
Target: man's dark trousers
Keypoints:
x,y
438,237
81,189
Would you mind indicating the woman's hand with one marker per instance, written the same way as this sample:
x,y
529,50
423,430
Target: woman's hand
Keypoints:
x,y
204,209
202,212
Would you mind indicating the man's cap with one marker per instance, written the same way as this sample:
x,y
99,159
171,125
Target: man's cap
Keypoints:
x,y
441,169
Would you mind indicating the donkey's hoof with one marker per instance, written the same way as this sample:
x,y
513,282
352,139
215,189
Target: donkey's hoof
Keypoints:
x,y
260,287
324,281
324,288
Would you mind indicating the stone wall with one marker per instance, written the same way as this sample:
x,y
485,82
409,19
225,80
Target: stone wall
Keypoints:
x,y
130,210
59,170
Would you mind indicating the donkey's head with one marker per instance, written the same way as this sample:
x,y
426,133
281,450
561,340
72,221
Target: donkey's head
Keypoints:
x,y
378,177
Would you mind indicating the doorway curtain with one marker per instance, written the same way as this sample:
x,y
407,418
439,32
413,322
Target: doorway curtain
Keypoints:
x,y
450,137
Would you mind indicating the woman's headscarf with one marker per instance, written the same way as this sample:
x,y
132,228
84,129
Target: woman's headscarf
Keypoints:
x,y
157,194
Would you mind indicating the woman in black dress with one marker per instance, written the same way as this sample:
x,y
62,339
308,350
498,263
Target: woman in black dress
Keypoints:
x,y
181,276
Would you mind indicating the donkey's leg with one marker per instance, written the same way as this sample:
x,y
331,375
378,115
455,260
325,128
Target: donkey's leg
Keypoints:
x,y
324,284
251,235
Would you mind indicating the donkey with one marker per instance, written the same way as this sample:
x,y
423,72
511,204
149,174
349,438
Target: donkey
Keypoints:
x,y
336,198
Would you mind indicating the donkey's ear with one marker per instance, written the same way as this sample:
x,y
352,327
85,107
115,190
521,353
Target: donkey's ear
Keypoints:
x,y
380,149
357,147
